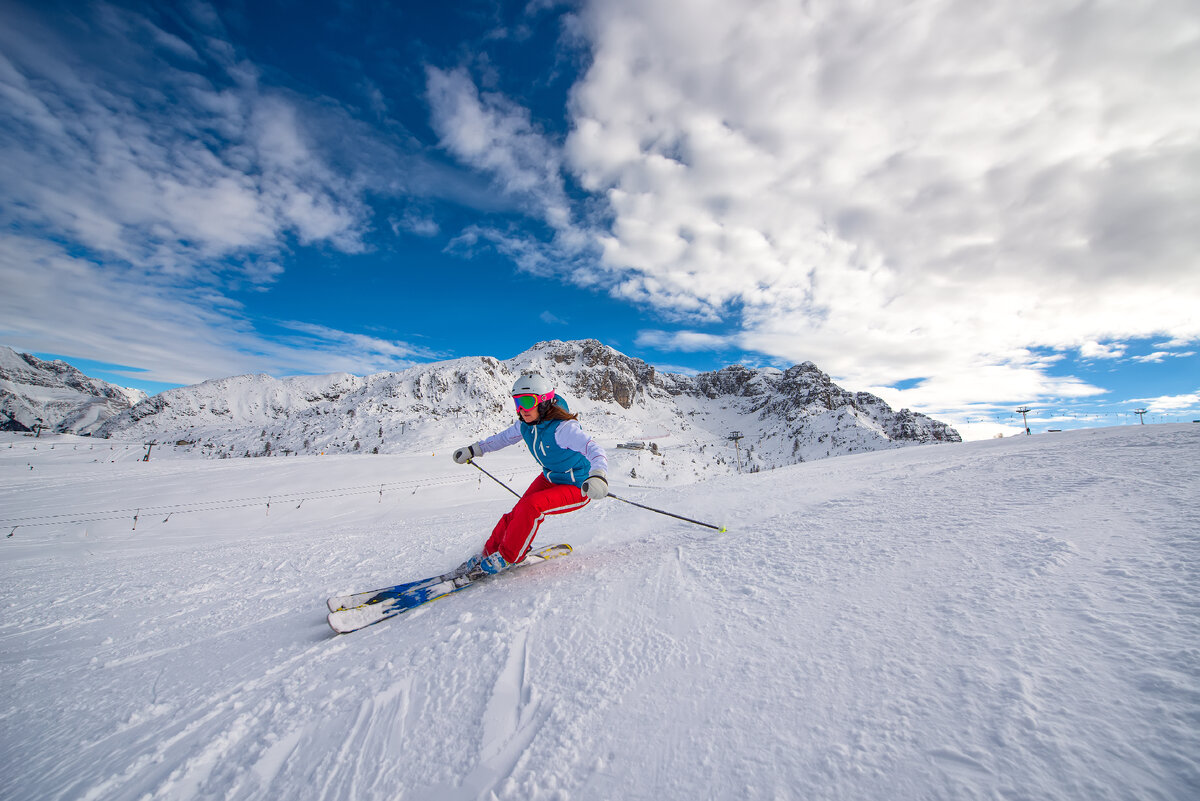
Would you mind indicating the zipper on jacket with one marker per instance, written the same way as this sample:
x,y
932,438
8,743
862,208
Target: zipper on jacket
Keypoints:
x,y
536,442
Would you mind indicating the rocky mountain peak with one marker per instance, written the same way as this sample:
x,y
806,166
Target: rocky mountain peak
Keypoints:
x,y
590,369
56,395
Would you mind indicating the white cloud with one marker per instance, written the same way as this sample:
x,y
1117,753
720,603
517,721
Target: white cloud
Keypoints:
x,y
937,190
57,302
688,341
416,223
1097,350
341,351
1167,404
147,177
490,133
1161,355
156,165
926,190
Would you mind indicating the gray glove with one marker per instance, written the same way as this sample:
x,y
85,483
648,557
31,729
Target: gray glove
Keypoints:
x,y
596,486
464,455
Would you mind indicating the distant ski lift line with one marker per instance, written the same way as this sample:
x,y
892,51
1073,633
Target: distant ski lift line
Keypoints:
x,y
736,436
1024,410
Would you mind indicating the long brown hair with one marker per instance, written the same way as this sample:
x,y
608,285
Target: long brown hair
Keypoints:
x,y
555,412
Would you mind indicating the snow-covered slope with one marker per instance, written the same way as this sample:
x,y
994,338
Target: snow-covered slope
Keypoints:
x,y
56,395
1004,619
784,417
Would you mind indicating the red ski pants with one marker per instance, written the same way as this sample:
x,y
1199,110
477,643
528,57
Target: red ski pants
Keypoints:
x,y
514,533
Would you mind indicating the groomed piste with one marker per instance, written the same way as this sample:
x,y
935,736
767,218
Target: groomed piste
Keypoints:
x,y
1013,618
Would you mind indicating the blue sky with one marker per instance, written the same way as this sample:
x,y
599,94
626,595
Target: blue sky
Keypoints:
x,y
960,209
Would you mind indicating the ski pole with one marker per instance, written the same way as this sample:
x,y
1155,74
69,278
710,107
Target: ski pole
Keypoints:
x,y
493,478
668,514
615,497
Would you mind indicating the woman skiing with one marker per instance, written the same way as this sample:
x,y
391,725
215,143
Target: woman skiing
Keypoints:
x,y
574,471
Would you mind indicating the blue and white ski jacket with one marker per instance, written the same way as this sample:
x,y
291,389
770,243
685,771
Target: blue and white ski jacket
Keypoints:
x,y
567,454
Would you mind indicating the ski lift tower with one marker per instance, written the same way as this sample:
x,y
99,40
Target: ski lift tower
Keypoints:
x,y
736,436
1024,410
1141,413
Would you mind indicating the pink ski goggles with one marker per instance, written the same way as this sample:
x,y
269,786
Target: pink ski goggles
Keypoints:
x,y
531,400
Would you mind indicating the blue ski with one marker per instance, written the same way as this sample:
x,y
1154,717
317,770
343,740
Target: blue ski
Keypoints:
x,y
353,612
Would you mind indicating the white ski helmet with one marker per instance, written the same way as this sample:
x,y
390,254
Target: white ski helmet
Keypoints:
x,y
532,384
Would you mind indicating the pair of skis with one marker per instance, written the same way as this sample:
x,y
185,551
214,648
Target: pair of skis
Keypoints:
x,y
353,612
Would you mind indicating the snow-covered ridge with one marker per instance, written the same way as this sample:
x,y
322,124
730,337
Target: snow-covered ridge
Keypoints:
x,y
783,417
56,395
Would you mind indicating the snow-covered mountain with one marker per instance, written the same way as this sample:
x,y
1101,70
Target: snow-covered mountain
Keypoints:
x,y
56,395
783,417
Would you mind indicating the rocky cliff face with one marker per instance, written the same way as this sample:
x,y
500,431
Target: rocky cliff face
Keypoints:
x,y
780,417
55,395
589,369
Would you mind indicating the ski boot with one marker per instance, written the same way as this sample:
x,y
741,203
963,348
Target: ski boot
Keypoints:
x,y
479,566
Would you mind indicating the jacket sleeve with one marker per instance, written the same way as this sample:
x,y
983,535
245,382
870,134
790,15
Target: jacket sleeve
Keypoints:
x,y
509,436
572,436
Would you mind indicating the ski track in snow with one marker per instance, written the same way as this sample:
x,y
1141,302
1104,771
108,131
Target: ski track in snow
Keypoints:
x,y
1003,619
